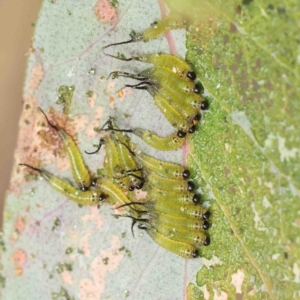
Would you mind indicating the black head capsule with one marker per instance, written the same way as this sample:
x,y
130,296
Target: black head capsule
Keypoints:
x,y
181,134
204,105
195,254
191,186
139,185
207,241
196,199
191,75
186,174
197,118
206,215
192,129
197,88
84,188
205,225
94,182
131,188
102,197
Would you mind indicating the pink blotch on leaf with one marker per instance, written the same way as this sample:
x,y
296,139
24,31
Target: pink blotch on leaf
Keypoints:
x,y
90,132
36,77
92,289
19,224
66,277
92,100
105,12
19,257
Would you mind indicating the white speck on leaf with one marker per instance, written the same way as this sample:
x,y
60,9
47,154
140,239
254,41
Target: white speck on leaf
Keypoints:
x,y
266,202
259,225
237,280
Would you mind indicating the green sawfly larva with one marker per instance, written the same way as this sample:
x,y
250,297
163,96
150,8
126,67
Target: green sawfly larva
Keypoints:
x,y
175,64
119,162
158,28
168,184
182,197
80,172
182,249
170,170
89,197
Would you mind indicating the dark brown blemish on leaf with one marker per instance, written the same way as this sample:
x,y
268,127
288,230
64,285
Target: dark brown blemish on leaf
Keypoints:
x,y
226,39
239,296
233,189
233,28
234,68
238,10
255,85
226,171
217,63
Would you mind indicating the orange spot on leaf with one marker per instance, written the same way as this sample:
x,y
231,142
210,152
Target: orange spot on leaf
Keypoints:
x,y
19,257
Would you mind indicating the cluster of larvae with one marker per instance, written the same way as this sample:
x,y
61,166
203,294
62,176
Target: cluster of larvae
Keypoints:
x,y
171,213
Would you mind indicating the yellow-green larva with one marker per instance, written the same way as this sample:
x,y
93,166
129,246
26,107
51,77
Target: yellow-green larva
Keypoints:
x,y
168,184
180,248
89,197
179,197
170,170
80,171
172,62
171,142
158,28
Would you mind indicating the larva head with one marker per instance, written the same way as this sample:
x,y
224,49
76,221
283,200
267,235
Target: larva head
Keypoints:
x,y
196,199
192,129
139,185
191,75
206,215
204,105
186,174
181,134
197,88
205,225
191,186
207,241
197,118
195,253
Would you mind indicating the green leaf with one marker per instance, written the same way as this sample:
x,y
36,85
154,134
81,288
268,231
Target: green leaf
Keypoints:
x,y
246,152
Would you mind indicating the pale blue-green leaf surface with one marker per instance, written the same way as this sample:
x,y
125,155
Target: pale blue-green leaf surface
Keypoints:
x,y
244,158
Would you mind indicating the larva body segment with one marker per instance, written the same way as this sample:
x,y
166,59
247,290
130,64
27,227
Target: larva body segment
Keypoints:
x,y
163,183
80,172
129,167
159,28
115,195
178,66
180,198
180,248
176,233
170,207
170,170
175,118
176,222
168,143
